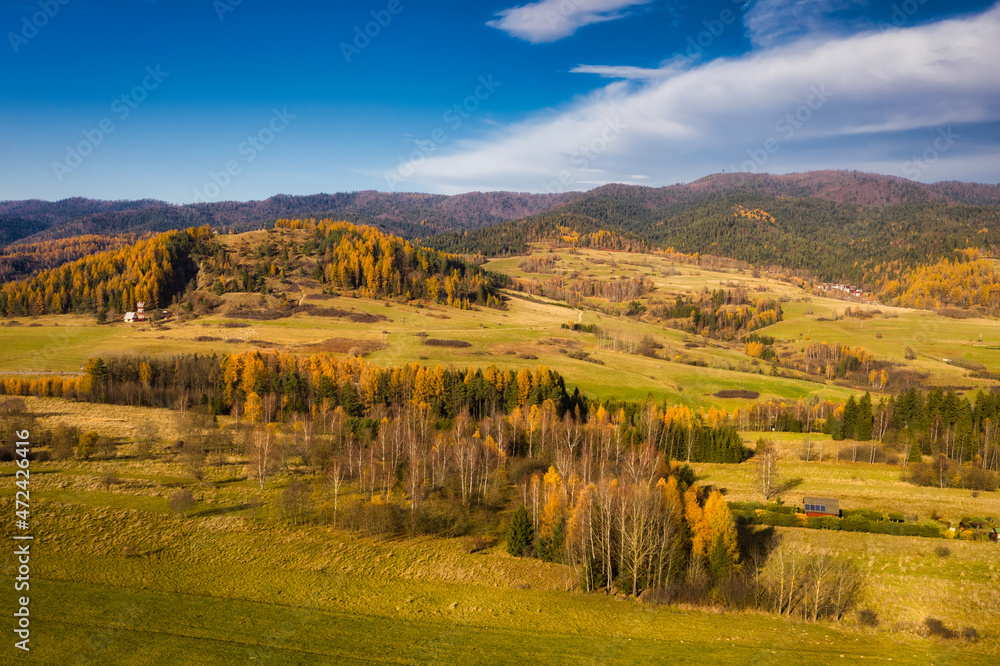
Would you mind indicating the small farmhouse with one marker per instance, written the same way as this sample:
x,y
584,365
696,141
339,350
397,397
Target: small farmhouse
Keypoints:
x,y
821,506
131,317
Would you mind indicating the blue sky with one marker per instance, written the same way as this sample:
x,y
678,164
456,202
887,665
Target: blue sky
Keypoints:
x,y
242,99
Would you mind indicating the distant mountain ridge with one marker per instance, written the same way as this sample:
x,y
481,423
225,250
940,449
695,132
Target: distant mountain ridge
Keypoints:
x,y
844,187
415,215
407,214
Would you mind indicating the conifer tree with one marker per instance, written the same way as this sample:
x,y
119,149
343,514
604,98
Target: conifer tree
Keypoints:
x,y
520,533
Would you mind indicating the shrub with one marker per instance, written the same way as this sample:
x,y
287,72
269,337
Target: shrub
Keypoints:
x,y
455,344
737,393
779,519
442,519
109,478
867,514
823,523
64,439
868,617
943,470
855,523
975,523
376,519
182,502
897,529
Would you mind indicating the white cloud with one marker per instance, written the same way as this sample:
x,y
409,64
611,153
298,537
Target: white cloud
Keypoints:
x,y
551,20
883,92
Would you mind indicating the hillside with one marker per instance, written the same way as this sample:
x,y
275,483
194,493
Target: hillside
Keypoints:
x,y
834,241
153,270
25,259
338,255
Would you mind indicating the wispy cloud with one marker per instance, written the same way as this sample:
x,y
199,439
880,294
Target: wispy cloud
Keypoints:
x,y
771,22
625,72
882,88
552,20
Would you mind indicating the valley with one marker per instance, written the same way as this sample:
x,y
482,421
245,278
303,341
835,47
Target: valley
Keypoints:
x,y
145,525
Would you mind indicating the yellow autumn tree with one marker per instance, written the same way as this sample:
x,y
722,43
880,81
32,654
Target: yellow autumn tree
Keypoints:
x,y
695,517
723,548
551,533
254,408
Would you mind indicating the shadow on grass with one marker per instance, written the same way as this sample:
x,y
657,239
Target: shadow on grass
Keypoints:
x,y
221,510
226,482
788,485
756,543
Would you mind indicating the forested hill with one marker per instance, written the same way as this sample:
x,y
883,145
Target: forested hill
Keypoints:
x,y
21,219
850,187
338,255
406,214
835,241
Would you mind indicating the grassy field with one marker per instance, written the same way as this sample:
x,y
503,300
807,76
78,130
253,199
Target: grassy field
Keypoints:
x,y
120,583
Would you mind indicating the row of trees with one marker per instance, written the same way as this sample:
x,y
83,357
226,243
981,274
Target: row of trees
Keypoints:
x,y
914,423
574,291
726,312
269,386
836,361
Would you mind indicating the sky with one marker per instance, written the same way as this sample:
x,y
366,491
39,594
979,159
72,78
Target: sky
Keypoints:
x,y
215,100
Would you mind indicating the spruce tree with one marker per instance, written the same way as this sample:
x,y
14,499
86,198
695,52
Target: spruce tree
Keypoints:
x,y
863,418
520,533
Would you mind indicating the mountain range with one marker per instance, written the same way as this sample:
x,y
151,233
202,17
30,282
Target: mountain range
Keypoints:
x,y
821,221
